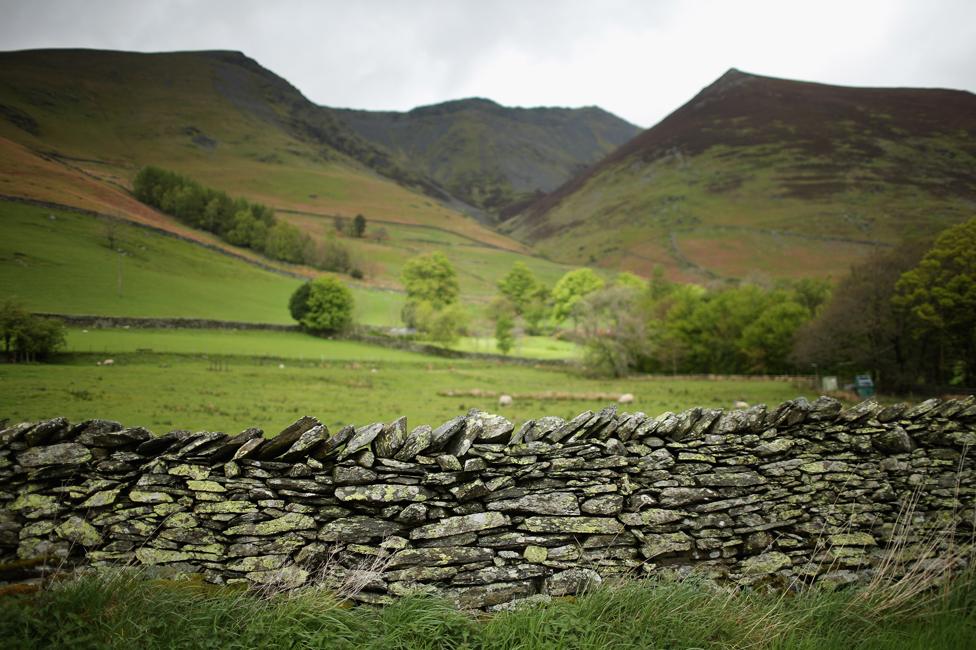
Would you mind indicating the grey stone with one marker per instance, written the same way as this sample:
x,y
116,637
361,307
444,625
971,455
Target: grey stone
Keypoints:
x,y
344,475
359,529
459,525
443,433
894,440
678,496
334,443
382,493
582,525
47,431
440,556
283,524
608,504
391,439
278,445
572,582
417,441
362,439
544,503
484,596
307,443
67,453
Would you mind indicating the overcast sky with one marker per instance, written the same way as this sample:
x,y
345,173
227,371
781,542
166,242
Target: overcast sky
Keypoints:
x,y
638,59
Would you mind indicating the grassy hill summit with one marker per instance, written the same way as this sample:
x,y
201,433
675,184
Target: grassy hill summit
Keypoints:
x,y
780,177
492,156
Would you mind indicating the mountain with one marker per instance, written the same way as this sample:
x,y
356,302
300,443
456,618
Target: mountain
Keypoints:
x,y
491,156
217,116
77,125
757,175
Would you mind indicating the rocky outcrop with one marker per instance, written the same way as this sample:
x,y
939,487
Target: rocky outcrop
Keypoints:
x,y
486,513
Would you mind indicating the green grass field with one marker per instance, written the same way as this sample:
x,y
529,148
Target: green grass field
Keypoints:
x,y
227,381
288,345
530,347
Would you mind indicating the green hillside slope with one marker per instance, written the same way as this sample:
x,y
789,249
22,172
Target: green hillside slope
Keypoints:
x,y
60,261
494,156
765,175
218,117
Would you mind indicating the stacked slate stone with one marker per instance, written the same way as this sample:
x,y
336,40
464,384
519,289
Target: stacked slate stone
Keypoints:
x,y
486,514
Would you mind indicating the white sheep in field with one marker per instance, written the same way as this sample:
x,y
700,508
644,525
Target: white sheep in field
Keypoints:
x,y
505,400
626,398
106,362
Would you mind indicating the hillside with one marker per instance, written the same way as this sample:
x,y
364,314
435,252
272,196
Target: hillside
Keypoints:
x,y
217,116
769,176
494,156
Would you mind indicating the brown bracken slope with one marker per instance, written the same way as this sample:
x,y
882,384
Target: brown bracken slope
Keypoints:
x,y
758,153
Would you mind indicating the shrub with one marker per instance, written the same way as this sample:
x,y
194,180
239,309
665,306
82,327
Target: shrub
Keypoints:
x,y
329,306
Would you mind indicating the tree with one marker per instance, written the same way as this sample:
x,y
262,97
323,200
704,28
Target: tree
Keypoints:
x,y
768,340
614,331
27,337
298,303
430,278
527,296
447,324
518,285
859,329
329,306
359,225
504,339
502,312
571,288
287,243
937,299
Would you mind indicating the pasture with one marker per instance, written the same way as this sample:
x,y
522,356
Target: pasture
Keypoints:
x,y
66,264
227,381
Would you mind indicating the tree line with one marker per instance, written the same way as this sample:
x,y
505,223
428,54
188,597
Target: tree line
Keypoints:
x,y
238,221
907,316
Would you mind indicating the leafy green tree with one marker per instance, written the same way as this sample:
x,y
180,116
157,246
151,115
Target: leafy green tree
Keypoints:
x,y
571,288
447,324
287,243
812,293
768,340
938,300
298,303
502,313
504,333
328,307
519,285
359,225
430,278
528,297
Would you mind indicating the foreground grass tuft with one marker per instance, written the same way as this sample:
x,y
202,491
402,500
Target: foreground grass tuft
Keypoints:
x,y
128,611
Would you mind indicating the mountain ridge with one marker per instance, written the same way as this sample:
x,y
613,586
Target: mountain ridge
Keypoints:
x,y
493,156
761,154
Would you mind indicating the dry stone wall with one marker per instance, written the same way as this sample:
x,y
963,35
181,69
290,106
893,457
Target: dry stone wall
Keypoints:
x,y
485,513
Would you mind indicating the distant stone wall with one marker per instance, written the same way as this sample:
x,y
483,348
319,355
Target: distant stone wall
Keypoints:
x,y
486,514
